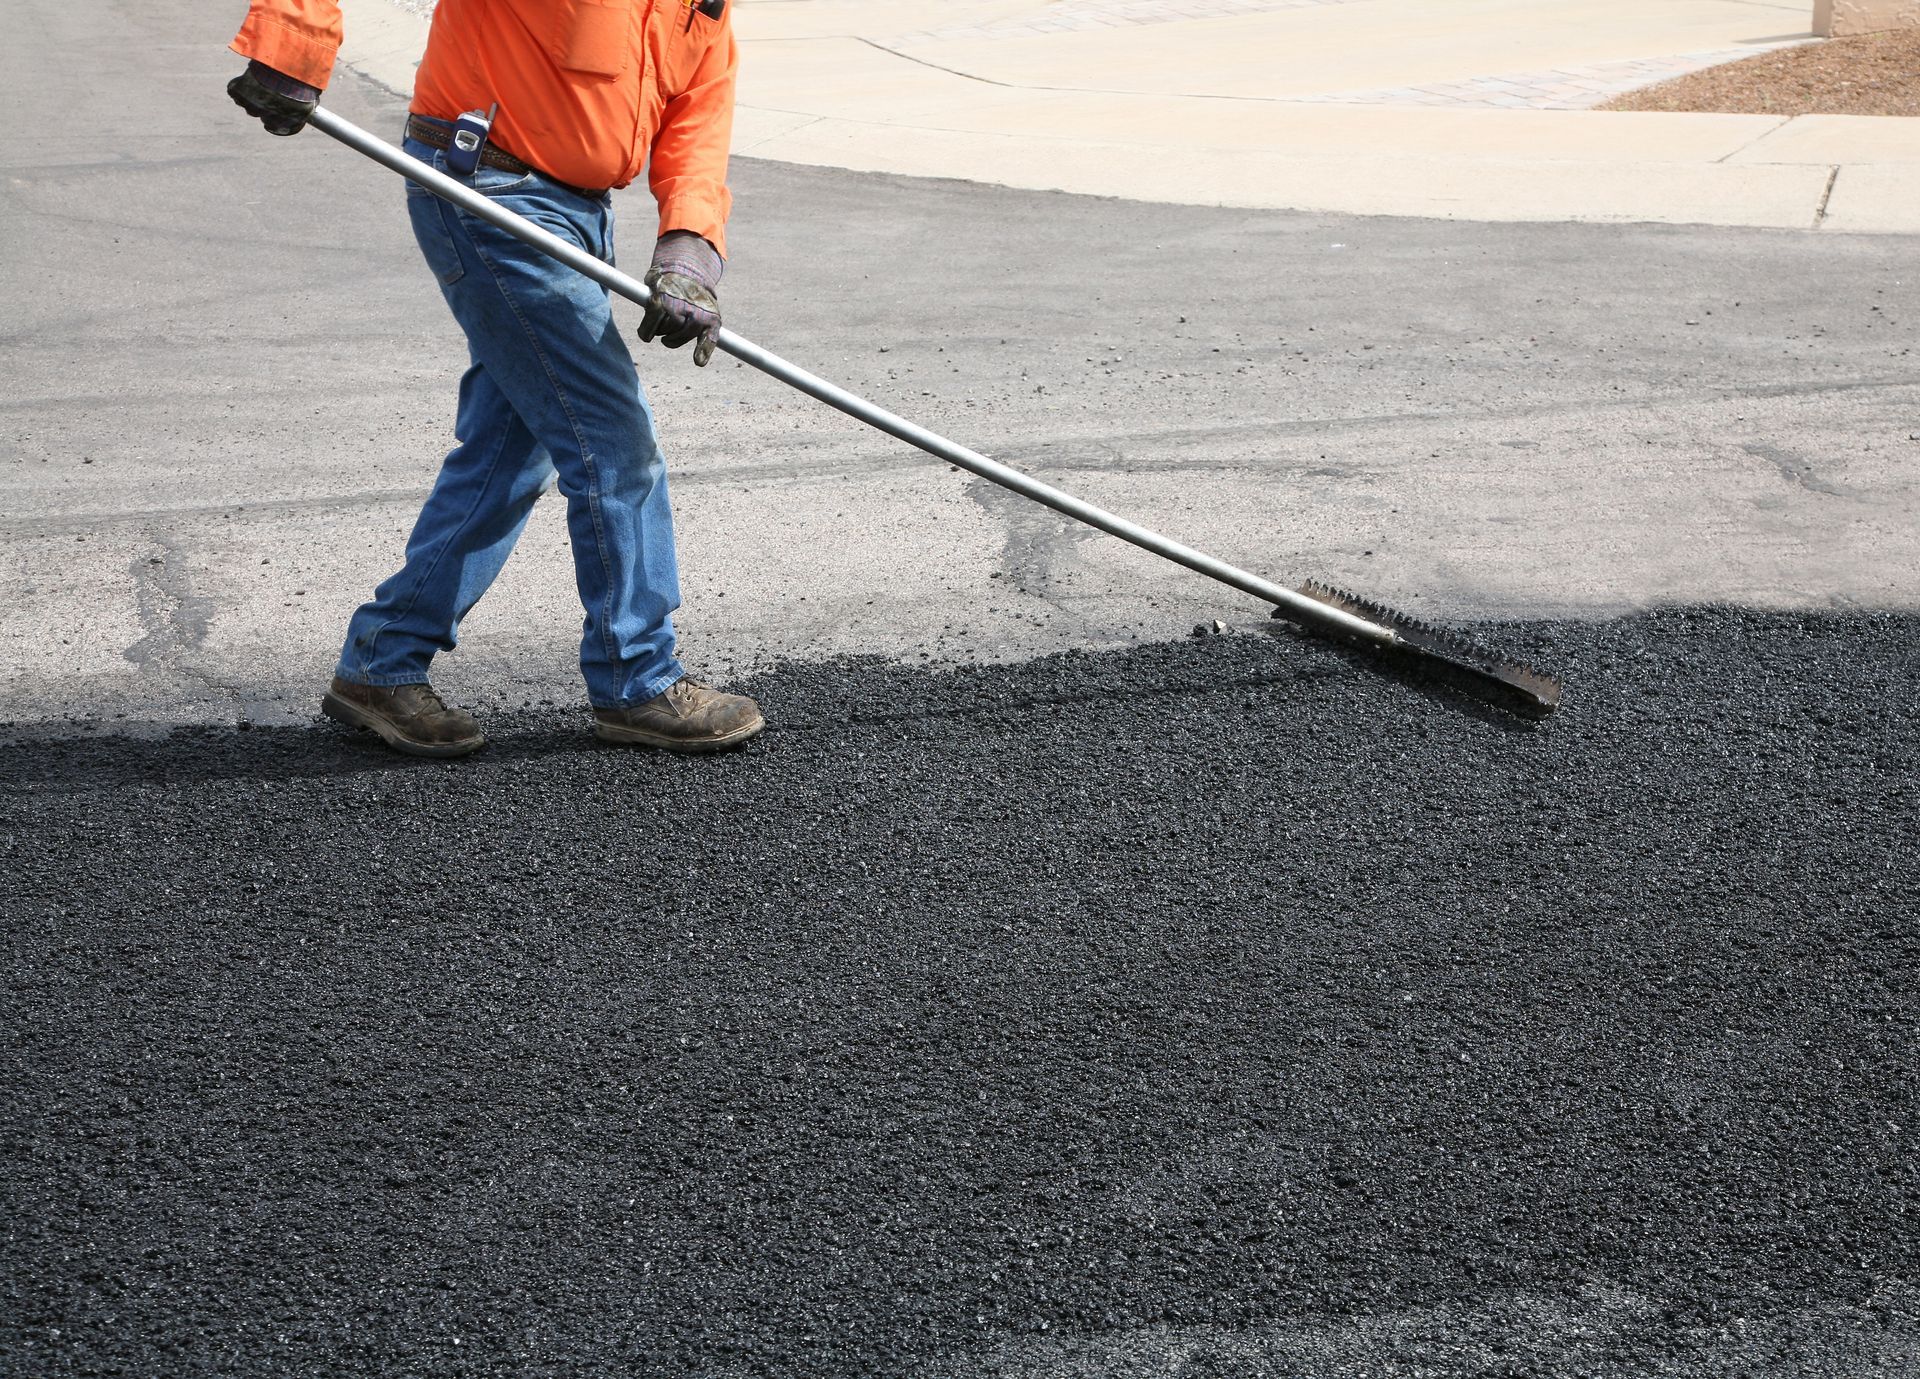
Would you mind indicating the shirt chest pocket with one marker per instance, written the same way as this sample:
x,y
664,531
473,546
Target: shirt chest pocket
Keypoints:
x,y
594,38
679,36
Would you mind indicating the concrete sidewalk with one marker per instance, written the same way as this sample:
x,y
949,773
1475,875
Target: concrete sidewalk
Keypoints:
x,y
1462,110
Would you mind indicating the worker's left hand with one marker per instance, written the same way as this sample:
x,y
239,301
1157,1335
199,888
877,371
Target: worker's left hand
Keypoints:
x,y
684,280
277,100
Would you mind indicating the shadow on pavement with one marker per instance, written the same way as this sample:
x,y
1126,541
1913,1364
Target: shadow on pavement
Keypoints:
x,y
162,754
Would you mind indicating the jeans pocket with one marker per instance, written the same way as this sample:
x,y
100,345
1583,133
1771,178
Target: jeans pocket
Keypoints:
x,y
430,229
497,182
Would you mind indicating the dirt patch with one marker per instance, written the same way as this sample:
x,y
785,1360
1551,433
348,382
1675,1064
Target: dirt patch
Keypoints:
x,y
1872,74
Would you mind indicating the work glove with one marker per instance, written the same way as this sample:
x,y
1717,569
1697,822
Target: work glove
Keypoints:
x,y
685,274
275,99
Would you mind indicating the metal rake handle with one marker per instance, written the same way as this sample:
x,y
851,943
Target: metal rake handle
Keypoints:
x,y
1298,606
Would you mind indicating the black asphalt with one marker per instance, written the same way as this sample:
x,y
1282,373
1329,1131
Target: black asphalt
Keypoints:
x,y
1214,1008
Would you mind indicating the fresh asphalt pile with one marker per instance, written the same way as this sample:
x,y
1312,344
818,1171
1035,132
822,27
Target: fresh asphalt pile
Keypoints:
x,y
1216,1008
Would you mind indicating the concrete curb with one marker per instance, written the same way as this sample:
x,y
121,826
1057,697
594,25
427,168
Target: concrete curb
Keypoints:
x,y
881,110
383,43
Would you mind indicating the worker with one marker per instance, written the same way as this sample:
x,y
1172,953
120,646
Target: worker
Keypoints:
x,y
583,94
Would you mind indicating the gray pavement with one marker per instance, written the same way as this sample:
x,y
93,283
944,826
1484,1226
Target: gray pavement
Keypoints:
x,y
230,380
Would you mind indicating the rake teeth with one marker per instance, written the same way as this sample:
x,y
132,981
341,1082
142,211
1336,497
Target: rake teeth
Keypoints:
x,y
1431,652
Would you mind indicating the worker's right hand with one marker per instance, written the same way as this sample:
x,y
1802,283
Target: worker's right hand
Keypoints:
x,y
685,305
275,99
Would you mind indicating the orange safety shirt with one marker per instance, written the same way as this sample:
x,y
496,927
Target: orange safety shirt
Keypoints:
x,y
590,91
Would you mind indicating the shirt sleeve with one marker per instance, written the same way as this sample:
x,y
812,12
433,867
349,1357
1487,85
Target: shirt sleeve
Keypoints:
x,y
297,37
687,166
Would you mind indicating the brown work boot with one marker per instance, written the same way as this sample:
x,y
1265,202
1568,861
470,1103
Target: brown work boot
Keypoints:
x,y
689,717
409,718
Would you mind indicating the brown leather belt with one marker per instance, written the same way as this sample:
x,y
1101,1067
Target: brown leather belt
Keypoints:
x,y
439,134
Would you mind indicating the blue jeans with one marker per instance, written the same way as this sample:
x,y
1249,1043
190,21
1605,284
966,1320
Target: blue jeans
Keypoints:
x,y
551,388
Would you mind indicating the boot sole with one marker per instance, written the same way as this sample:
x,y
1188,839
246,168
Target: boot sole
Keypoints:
x,y
338,709
692,746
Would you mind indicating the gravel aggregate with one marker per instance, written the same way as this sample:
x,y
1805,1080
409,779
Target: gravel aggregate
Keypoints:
x,y
1214,1008
1866,74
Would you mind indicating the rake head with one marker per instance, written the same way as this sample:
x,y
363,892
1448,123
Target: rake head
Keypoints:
x,y
1426,652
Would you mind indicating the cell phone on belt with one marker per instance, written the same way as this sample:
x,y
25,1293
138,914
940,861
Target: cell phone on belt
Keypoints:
x,y
470,139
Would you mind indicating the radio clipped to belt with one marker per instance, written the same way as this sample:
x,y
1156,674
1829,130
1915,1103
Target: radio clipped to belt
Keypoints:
x,y
470,140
